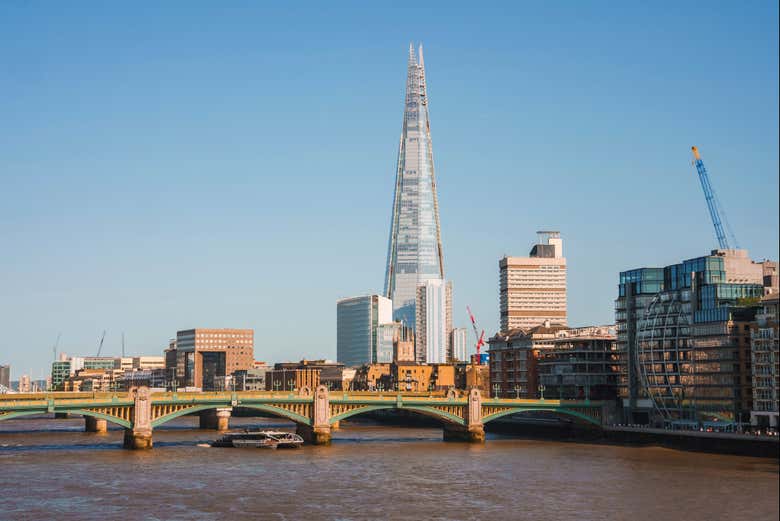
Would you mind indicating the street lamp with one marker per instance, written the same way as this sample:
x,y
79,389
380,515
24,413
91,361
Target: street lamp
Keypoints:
x,y
381,387
277,384
290,384
541,391
496,388
517,392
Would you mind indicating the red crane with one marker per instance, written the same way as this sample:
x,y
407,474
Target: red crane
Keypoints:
x,y
479,336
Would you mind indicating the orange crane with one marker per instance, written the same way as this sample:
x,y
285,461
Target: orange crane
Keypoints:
x,y
479,336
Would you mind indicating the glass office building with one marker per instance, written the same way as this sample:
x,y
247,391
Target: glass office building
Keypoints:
x,y
414,253
357,330
682,335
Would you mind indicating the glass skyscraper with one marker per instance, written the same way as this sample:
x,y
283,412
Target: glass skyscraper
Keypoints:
x,y
414,253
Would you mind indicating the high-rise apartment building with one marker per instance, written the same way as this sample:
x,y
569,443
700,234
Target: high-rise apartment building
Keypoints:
x,y
357,328
204,357
414,253
459,343
683,337
533,288
434,321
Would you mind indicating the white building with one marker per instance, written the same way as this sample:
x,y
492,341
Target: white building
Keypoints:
x,y
357,321
459,344
533,288
434,321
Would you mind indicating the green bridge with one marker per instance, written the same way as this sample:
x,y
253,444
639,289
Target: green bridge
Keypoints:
x,y
316,413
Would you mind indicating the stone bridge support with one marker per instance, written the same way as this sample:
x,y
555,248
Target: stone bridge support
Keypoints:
x,y
319,432
217,419
139,436
474,430
92,424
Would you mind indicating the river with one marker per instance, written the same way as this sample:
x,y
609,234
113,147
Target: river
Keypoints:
x,y
51,469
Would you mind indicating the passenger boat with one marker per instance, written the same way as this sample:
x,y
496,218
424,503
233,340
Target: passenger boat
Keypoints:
x,y
259,439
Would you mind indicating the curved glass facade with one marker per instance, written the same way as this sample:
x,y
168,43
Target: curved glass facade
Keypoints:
x,y
414,253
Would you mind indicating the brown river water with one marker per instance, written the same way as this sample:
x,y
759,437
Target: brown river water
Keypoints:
x,y
51,469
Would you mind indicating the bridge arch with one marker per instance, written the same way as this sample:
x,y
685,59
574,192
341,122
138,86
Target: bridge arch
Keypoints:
x,y
102,416
83,412
275,411
567,412
431,412
17,414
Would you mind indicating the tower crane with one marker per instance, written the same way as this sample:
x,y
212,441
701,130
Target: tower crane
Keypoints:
x,y
716,211
100,346
479,336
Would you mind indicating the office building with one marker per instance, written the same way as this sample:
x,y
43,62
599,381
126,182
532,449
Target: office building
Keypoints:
x,y
5,377
683,336
533,289
582,364
385,341
357,321
434,322
459,343
414,254
765,364
204,358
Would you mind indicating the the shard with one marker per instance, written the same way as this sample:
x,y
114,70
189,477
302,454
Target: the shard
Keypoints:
x,y
414,253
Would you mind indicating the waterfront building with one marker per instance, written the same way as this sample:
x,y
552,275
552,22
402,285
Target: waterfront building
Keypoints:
x,y
148,362
308,373
533,289
512,359
291,379
414,253
369,377
473,376
250,379
682,338
5,376
459,343
583,363
357,321
202,358
765,364
434,322
156,379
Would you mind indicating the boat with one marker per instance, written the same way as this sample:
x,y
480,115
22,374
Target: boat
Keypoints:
x,y
254,439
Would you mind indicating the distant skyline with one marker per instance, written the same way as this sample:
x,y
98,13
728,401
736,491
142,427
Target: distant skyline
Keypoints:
x,y
165,167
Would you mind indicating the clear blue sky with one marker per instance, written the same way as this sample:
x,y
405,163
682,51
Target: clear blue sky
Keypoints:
x,y
192,165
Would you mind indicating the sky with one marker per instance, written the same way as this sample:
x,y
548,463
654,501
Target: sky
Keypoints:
x,y
231,164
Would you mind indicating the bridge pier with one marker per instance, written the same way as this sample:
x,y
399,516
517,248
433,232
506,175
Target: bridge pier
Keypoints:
x,y
319,435
216,419
139,436
137,440
470,434
92,424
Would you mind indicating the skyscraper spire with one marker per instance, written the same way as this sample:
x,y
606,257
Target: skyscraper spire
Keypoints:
x,y
414,253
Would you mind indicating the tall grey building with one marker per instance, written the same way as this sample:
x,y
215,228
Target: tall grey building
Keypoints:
x,y
5,376
414,254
